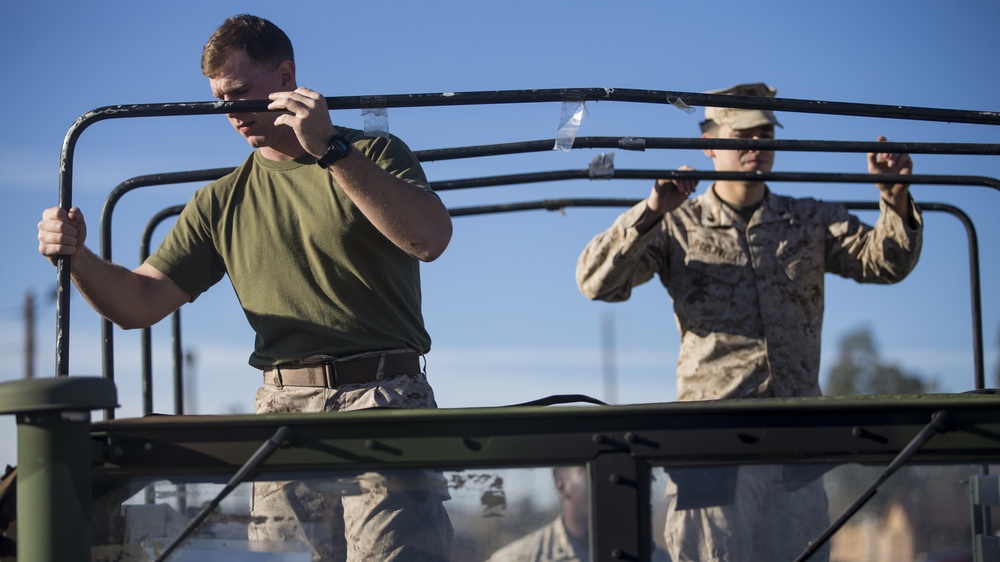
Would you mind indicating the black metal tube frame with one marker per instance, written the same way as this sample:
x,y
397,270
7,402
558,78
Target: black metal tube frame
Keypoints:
x,y
681,99
550,205
641,144
147,333
107,212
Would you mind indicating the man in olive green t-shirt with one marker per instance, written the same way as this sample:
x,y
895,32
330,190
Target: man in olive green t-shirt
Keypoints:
x,y
321,232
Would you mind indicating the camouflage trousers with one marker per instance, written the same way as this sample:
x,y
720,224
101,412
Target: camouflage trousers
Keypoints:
x,y
387,516
765,521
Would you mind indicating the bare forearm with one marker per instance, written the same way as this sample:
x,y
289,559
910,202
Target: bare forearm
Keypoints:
x,y
413,219
127,298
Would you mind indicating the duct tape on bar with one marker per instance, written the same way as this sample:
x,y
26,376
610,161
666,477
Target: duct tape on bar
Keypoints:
x,y
375,116
602,166
632,143
679,104
573,113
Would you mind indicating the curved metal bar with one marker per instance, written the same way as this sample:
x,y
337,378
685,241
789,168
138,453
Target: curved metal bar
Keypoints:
x,y
215,173
975,289
147,333
641,144
557,205
107,211
807,177
680,99
66,202
970,233
499,97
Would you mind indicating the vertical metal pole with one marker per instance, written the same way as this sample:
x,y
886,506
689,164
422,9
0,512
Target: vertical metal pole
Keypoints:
x,y
29,335
609,360
54,463
620,510
147,371
175,327
984,492
53,486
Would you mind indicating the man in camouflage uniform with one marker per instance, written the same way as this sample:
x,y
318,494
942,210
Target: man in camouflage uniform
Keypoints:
x,y
321,231
565,539
744,268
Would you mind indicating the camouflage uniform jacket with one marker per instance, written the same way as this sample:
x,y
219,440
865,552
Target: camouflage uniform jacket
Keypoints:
x,y
748,298
551,543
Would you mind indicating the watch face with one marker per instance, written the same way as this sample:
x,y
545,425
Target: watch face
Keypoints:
x,y
338,148
341,145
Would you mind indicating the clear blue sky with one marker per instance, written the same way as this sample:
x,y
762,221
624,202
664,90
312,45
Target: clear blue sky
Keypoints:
x,y
507,320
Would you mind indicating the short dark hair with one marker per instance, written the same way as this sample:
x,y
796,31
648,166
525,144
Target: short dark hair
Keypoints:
x,y
264,43
710,127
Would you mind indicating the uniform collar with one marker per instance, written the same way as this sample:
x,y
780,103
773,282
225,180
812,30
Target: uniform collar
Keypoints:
x,y
717,214
562,547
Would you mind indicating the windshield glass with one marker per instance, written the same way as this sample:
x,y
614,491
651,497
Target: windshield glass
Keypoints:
x,y
921,513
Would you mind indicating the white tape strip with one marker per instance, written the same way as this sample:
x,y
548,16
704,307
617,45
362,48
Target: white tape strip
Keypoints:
x,y
679,104
573,113
376,121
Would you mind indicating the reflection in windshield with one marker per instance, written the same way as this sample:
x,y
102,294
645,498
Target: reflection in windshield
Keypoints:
x,y
919,513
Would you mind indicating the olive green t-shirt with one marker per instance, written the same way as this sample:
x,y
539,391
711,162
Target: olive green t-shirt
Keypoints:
x,y
312,274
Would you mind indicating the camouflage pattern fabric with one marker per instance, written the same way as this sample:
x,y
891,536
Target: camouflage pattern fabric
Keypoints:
x,y
548,544
551,543
748,297
748,303
386,516
764,522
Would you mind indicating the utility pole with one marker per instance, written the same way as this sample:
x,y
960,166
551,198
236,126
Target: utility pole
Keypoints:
x,y
608,357
29,335
190,390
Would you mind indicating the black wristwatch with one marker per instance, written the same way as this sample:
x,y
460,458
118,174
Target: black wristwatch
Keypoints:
x,y
338,148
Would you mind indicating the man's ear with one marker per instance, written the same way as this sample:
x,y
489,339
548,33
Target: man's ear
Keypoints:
x,y
708,151
561,486
286,71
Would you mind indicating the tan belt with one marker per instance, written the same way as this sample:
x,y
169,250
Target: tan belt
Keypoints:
x,y
344,371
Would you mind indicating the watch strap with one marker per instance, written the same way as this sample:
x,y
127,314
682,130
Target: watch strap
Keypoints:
x,y
338,147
